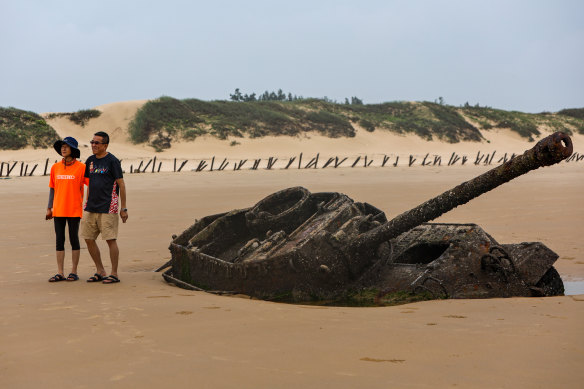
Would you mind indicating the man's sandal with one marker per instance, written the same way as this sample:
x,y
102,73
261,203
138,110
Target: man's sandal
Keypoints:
x,y
57,277
110,279
72,277
96,278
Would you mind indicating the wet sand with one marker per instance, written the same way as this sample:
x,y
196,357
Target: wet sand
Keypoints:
x,y
144,332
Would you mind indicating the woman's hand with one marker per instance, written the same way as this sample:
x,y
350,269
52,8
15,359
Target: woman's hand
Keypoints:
x,y
49,215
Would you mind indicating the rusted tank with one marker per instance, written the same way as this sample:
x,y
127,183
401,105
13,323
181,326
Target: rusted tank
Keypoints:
x,y
299,246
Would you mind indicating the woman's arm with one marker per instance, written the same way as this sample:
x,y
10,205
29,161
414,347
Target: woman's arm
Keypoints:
x,y
50,204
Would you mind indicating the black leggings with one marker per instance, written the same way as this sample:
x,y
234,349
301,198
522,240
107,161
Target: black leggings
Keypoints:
x,y
73,232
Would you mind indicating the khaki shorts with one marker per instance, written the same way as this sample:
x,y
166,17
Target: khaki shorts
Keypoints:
x,y
92,224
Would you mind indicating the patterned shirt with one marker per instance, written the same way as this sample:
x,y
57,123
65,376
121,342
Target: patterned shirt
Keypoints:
x,y
103,190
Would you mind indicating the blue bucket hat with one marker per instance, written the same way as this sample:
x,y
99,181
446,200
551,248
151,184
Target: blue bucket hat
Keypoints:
x,y
71,142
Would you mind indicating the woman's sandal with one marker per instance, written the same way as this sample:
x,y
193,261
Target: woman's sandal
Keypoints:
x,y
72,277
96,278
110,279
57,277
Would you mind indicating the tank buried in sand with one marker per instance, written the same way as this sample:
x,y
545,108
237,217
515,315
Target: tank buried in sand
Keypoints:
x,y
299,246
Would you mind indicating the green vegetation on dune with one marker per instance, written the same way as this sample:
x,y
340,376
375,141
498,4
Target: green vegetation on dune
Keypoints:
x,y
19,129
161,121
80,117
523,123
427,120
527,125
577,113
165,120
575,117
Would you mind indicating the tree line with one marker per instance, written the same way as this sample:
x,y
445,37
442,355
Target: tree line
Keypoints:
x,y
281,96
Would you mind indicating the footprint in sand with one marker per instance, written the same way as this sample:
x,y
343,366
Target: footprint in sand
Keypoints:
x,y
456,316
134,340
156,297
91,317
118,377
367,359
184,312
56,308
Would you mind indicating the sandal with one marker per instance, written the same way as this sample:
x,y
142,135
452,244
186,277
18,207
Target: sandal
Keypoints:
x,y
110,279
72,277
96,278
57,277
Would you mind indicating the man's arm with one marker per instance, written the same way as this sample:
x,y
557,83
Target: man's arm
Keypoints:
x,y
122,186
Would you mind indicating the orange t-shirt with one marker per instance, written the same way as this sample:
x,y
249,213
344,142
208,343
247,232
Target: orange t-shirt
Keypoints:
x,y
68,183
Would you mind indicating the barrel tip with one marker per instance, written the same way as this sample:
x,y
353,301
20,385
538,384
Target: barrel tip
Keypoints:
x,y
554,148
564,143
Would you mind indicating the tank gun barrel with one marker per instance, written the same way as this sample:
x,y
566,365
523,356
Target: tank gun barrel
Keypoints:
x,y
546,152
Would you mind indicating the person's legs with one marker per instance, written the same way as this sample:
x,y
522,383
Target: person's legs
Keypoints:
x,y
95,255
114,255
60,242
61,262
109,232
74,239
75,259
90,231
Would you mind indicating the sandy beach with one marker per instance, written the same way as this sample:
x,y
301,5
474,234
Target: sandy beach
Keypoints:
x,y
143,332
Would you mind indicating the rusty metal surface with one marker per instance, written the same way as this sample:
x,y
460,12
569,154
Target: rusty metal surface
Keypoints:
x,y
321,245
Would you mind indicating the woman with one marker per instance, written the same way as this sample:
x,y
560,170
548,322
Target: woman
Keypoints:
x,y
66,202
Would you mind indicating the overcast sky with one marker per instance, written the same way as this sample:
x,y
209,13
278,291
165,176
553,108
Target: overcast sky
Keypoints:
x,y
514,55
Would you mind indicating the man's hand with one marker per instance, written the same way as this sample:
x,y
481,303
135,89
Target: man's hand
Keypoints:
x,y
49,215
124,216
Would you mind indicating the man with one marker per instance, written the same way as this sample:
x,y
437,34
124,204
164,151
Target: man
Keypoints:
x,y
106,196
